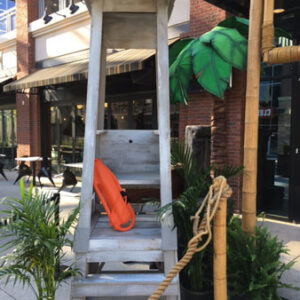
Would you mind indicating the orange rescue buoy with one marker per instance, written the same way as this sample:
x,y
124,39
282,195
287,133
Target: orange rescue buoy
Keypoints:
x,y
120,213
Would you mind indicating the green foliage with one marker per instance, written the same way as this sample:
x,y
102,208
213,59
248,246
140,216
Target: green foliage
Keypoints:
x,y
176,48
242,25
180,74
210,58
253,263
229,44
210,70
197,276
37,244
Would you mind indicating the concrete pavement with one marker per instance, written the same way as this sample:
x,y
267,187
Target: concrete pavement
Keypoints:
x,y
287,232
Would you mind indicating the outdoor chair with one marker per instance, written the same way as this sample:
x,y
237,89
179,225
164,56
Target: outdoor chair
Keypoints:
x,y
24,170
2,171
68,179
45,171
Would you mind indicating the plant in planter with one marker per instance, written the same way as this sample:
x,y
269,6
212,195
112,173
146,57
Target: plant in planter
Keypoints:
x,y
37,243
253,263
198,274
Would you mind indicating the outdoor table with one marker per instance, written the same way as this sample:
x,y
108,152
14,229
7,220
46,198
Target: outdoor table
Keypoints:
x,y
78,165
32,160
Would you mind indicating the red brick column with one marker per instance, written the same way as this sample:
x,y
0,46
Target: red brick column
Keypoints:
x,y
27,102
235,117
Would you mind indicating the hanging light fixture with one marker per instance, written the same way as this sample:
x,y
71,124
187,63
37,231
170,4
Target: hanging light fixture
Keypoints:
x,y
279,7
46,17
73,8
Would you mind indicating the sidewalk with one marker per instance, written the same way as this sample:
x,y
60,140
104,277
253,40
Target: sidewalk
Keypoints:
x,y
287,232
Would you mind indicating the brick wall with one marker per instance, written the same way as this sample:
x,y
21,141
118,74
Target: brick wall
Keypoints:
x,y
27,102
203,17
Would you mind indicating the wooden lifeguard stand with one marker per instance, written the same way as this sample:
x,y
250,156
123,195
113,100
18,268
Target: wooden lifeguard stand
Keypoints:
x,y
139,158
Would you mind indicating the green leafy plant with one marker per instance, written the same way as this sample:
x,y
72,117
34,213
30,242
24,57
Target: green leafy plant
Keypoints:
x,y
37,243
197,276
210,59
254,267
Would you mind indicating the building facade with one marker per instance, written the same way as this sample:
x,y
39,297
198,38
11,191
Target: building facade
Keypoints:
x,y
44,114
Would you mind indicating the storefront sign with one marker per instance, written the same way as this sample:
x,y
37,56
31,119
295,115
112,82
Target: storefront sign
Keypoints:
x,y
266,112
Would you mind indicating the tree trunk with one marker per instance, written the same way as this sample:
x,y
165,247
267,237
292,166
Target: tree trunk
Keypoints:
x,y
218,134
251,118
218,156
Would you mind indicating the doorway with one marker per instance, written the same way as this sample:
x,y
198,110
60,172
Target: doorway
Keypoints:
x,y
279,143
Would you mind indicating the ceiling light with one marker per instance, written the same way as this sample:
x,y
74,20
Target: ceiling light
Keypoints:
x,y
73,8
47,19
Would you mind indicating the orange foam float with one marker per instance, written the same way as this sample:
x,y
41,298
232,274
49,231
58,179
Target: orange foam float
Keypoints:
x,y
120,213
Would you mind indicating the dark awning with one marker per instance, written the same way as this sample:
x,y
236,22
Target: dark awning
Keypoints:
x,y
117,63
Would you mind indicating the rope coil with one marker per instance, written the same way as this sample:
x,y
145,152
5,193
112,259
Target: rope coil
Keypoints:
x,y
218,191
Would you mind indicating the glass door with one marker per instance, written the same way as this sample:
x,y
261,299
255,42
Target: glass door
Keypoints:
x,y
274,148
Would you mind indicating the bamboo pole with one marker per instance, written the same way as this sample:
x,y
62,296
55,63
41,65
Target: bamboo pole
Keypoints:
x,y
218,156
272,55
251,118
219,240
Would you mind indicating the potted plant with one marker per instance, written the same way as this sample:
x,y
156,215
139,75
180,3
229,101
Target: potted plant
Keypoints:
x,y
254,267
197,277
37,241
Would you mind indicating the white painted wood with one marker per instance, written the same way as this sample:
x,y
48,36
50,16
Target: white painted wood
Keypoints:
x,y
130,152
127,285
102,89
93,94
138,239
100,132
129,31
162,85
138,219
123,256
129,6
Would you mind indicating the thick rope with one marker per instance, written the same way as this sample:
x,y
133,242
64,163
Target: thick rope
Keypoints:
x,y
219,189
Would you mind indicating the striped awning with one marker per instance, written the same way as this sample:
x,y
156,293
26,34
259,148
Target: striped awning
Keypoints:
x,y
116,63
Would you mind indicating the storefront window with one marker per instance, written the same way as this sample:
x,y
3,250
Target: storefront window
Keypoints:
x,y
274,144
8,136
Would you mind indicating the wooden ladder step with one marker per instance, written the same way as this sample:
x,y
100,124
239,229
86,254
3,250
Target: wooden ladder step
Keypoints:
x,y
136,239
139,179
121,284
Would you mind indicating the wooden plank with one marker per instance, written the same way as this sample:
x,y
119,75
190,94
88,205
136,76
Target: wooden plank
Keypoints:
x,y
141,179
129,31
136,225
135,233
129,6
162,84
134,244
122,256
134,151
127,285
93,94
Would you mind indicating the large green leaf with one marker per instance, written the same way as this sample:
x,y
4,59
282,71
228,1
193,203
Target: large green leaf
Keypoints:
x,y
242,25
180,74
229,44
211,71
176,48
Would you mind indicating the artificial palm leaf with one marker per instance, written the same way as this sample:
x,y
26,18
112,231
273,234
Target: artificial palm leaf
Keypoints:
x,y
176,48
242,26
180,74
229,44
211,71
